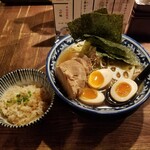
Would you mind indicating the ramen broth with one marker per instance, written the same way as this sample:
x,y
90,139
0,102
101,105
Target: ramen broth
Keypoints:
x,y
67,54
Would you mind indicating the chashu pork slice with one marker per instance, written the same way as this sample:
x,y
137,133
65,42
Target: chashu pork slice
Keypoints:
x,y
72,76
85,61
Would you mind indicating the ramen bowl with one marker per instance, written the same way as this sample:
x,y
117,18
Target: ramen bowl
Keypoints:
x,y
25,97
141,97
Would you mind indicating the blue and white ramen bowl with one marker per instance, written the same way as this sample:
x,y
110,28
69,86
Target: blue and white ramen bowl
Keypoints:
x,y
142,96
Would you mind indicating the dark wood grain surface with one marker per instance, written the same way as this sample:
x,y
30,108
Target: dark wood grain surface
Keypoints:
x,y
26,35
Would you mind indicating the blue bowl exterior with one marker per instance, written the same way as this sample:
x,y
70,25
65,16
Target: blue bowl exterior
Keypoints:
x,y
141,53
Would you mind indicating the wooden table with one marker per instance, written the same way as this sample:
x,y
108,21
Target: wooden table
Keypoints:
x,y
26,36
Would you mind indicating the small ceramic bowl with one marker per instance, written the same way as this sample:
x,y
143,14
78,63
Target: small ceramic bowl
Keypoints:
x,y
23,78
142,96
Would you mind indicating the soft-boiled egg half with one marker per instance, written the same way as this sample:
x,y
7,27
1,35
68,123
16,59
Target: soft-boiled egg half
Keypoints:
x,y
123,90
91,96
98,79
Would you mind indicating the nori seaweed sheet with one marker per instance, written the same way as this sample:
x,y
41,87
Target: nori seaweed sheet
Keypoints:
x,y
75,28
102,11
114,50
98,23
103,25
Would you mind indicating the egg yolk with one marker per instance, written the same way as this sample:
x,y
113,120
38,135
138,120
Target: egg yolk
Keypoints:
x,y
123,89
89,93
96,79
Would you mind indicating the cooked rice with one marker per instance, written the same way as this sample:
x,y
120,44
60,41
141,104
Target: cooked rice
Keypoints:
x,y
21,110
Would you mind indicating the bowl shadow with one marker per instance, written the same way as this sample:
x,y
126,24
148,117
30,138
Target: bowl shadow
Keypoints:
x,y
58,126
71,129
111,133
21,138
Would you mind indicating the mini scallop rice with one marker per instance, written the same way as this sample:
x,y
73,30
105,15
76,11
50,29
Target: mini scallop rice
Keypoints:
x,y
18,102
25,97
